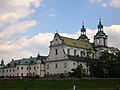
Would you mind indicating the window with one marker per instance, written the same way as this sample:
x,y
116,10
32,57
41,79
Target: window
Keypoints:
x,y
68,51
73,63
65,71
6,70
56,52
13,70
17,74
47,66
17,68
21,74
34,68
65,65
82,53
37,67
27,74
56,66
27,68
47,72
21,68
10,70
74,52
33,73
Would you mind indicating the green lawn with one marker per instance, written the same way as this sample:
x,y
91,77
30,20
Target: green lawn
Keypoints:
x,y
58,84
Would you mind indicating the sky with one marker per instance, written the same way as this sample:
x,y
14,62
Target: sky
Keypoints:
x,y
28,26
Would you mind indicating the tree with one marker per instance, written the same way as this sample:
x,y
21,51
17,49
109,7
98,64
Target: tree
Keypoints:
x,y
107,66
78,72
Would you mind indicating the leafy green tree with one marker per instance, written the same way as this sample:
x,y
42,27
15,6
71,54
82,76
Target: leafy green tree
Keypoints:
x,y
107,66
78,72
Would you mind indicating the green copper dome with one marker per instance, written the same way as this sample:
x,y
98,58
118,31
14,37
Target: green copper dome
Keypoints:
x,y
83,34
100,25
83,29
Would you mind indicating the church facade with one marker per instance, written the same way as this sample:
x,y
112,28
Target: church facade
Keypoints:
x,y
64,54
67,53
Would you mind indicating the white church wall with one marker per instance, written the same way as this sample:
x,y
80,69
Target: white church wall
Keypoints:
x,y
60,53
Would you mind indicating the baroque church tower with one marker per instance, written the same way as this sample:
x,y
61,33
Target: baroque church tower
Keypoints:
x,y
100,40
83,35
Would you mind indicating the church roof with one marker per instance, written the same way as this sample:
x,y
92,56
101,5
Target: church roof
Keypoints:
x,y
75,58
100,34
76,43
24,61
80,59
83,37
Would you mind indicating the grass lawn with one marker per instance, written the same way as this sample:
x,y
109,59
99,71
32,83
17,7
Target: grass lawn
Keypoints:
x,y
58,84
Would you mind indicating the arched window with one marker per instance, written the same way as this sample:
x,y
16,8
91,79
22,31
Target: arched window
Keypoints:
x,y
56,66
75,52
65,65
68,51
47,66
56,51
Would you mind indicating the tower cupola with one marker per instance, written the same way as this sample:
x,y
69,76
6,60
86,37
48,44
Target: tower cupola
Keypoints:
x,y
83,34
2,63
100,39
83,30
100,26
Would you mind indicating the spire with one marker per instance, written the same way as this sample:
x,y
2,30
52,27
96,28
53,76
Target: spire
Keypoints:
x,y
38,56
83,33
83,24
100,26
83,30
2,62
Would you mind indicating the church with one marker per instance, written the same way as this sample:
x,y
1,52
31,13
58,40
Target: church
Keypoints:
x,y
64,54
67,53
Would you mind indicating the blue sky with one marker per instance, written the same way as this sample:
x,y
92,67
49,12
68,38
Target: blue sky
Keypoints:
x,y
28,26
67,15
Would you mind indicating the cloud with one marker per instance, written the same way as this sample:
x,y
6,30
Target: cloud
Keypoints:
x,y
107,3
95,1
16,28
52,12
113,33
14,21
112,3
26,47
13,10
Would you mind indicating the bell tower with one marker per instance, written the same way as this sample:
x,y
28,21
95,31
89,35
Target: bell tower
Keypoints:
x,y
83,34
100,39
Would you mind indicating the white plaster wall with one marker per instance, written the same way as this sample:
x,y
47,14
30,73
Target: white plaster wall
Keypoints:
x,y
24,71
9,71
56,41
61,69
52,56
